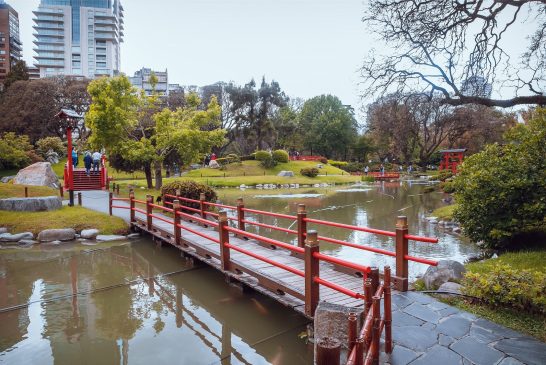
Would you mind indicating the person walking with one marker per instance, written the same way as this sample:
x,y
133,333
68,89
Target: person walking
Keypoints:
x,y
87,161
382,169
74,157
96,161
366,170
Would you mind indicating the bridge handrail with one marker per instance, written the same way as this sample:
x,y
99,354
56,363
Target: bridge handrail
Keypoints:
x,y
198,233
265,240
269,226
265,259
348,226
278,215
197,219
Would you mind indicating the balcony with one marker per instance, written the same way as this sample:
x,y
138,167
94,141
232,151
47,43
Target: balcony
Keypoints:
x,y
49,18
49,33
47,40
50,56
48,63
47,48
40,26
48,11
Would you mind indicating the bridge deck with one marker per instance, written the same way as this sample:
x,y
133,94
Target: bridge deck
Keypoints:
x,y
281,285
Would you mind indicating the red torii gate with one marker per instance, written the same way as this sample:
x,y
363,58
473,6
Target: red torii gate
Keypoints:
x,y
451,159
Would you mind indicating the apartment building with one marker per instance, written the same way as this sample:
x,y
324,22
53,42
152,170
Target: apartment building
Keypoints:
x,y
10,44
141,80
78,37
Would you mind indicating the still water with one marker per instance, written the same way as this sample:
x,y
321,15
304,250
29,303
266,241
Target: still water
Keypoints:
x,y
182,315
367,205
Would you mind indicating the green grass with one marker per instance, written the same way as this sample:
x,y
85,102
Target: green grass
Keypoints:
x,y
523,260
67,217
444,213
531,324
10,190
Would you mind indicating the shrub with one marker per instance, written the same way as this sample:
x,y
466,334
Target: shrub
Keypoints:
x,y
280,156
338,164
268,163
447,187
504,286
189,189
248,157
368,178
324,160
353,167
442,175
501,191
231,158
309,172
50,143
14,151
262,155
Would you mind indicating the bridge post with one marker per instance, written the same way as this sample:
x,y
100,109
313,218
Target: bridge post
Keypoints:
x,y
387,308
352,330
312,292
117,189
376,329
149,211
80,198
177,221
202,206
401,253
367,296
132,205
302,225
224,238
240,214
110,203
374,276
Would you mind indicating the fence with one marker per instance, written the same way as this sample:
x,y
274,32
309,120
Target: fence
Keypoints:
x,y
307,247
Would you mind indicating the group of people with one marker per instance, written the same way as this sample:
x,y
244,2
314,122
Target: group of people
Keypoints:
x,y
208,158
382,169
90,160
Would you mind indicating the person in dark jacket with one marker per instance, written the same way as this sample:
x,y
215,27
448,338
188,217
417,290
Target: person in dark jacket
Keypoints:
x,y
88,161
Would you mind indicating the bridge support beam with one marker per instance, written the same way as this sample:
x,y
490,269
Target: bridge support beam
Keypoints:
x,y
224,238
132,206
312,292
241,215
149,212
302,225
401,253
177,221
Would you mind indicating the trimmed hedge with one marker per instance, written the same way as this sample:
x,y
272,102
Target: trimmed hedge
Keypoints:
x,y
309,172
189,189
268,163
280,156
261,155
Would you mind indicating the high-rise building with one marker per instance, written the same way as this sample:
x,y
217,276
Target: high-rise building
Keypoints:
x,y
10,44
141,80
78,37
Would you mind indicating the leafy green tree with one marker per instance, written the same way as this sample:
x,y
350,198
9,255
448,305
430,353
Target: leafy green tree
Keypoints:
x,y
55,144
501,191
329,127
14,151
18,72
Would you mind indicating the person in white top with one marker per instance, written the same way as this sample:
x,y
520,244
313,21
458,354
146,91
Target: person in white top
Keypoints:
x,y
96,161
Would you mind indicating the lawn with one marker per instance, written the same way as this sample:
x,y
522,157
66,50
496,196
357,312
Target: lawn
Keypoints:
x,y
444,213
522,260
18,191
67,217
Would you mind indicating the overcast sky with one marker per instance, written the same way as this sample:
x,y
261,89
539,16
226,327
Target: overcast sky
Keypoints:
x,y
310,47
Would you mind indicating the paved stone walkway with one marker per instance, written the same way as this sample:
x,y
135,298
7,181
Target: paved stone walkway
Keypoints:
x,y
425,330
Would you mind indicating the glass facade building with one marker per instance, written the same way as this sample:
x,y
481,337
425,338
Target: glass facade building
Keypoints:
x,y
78,37
10,43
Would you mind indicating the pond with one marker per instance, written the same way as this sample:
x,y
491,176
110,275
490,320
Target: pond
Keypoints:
x,y
136,303
374,205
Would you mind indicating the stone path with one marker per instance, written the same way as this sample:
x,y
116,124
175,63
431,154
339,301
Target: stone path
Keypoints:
x,y
427,331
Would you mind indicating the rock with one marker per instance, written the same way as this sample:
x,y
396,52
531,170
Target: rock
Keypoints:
x,y
108,238
26,242
457,230
214,164
331,320
242,186
7,179
39,174
51,243
450,287
445,271
133,235
89,233
8,237
52,157
37,204
286,173
63,234
3,230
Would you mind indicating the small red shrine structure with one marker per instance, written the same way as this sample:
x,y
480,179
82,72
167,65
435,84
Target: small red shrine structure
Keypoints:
x,y
451,159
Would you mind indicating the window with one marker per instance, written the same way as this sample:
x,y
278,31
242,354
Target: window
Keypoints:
x,y
101,57
101,64
2,51
76,64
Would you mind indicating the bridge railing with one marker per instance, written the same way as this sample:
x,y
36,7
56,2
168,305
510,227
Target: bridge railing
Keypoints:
x,y
307,246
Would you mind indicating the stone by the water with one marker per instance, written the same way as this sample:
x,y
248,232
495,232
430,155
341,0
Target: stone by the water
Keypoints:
x,y
36,204
63,234
7,179
3,230
8,237
108,238
89,233
445,271
38,174
286,173
133,235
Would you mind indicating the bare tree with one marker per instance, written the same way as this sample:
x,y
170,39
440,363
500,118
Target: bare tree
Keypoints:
x,y
438,44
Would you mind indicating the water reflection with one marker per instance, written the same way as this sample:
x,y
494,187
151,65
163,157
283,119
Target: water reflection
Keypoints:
x,y
136,304
375,205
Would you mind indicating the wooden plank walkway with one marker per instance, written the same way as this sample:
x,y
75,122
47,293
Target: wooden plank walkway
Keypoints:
x,y
281,285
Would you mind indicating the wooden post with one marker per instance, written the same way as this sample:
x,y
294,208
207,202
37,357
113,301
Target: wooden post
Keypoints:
x,y
368,293
240,214
374,276
177,221
359,350
80,198
302,225
132,206
110,202
376,334
202,206
113,187
224,238
401,253
177,193
311,271
117,189
351,333
328,350
149,211
387,308
163,199
61,191
26,192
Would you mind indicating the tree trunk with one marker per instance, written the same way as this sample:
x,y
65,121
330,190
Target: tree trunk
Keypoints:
x,y
158,177
148,173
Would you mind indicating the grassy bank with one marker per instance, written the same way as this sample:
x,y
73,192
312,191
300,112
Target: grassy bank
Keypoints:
x,y
67,217
444,213
18,191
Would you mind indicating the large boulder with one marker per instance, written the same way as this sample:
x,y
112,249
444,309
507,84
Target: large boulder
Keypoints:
x,y
8,237
89,233
7,179
39,173
37,204
286,173
49,235
447,270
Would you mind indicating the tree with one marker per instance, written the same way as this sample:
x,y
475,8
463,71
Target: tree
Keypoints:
x,y
501,191
329,126
18,72
437,43
15,151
